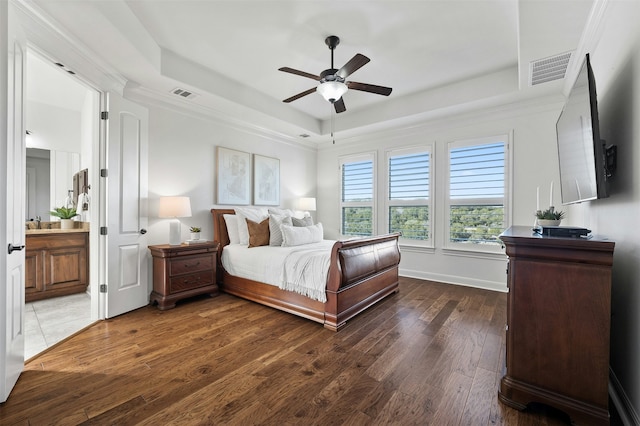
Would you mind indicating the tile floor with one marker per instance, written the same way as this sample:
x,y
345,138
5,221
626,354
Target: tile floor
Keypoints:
x,y
51,320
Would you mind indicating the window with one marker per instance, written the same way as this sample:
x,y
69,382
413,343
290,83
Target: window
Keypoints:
x,y
409,194
357,195
476,198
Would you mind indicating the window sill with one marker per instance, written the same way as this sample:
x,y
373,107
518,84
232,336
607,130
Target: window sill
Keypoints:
x,y
416,248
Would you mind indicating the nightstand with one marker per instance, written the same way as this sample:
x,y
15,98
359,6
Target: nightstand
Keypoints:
x,y
183,271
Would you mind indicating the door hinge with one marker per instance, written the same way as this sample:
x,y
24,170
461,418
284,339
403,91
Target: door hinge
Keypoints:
x,y
103,288
103,230
104,173
104,115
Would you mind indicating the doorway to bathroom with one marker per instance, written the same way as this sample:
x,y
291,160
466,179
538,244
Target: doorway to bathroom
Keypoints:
x,y
63,134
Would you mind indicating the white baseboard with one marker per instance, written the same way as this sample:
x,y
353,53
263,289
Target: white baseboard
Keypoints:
x,y
449,279
623,405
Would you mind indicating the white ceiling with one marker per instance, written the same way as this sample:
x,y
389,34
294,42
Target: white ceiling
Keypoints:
x,y
50,84
434,54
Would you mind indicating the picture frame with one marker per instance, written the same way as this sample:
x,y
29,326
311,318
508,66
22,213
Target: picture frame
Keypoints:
x,y
234,176
266,181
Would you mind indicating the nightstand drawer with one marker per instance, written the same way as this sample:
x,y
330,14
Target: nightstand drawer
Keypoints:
x,y
192,264
187,282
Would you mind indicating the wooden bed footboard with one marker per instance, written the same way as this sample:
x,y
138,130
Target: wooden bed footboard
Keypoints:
x,y
362,272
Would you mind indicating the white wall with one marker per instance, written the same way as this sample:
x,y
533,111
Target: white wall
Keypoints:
x,y
532,125
53,128
182,161
616,63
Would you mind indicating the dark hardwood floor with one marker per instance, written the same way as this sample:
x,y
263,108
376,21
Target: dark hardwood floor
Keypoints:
x,y
431,354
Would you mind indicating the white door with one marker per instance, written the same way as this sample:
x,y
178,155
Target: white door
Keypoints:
x,y
12,189
126,188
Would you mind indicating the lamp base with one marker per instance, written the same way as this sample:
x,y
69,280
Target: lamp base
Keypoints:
x,y
174,232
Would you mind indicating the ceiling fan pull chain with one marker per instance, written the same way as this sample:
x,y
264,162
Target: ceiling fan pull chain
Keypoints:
x,y
333,115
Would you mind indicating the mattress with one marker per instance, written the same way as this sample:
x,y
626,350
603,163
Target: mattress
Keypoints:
x,y
302,269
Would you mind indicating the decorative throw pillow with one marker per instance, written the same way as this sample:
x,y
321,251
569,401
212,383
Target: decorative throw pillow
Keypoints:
x,y
258,233
299,235
232,228
255,214
305,221
275,220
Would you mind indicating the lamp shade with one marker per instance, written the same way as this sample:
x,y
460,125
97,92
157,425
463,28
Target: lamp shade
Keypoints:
x,y
174,207
307,203
332,90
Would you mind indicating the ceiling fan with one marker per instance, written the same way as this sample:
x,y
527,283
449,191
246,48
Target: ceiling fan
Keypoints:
x,y
333,82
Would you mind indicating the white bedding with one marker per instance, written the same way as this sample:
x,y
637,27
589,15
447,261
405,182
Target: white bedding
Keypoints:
x,y
302,269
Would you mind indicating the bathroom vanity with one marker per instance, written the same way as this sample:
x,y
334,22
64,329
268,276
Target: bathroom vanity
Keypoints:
x,y
57,262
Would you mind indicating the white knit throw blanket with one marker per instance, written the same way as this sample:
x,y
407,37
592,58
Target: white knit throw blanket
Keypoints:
x,y
305,271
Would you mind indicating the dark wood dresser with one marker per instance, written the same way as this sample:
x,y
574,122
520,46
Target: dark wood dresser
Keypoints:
x,y
558,317
183,271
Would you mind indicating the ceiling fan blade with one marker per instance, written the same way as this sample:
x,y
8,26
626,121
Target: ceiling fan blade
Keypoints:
x,y
301,73
371,88
357,62
339,106
299,95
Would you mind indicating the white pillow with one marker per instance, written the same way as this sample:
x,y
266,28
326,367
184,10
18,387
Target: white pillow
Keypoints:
x,y
232,228
282,212
255,214
305,221
299,235
275,233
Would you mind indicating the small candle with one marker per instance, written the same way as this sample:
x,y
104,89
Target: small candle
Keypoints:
x,y
538,198
551,195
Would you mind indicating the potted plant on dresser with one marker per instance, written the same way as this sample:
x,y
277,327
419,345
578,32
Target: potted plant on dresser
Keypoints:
x,y
66,216
549,217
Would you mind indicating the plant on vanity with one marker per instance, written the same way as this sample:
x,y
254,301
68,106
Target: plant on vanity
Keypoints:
x,y
65,214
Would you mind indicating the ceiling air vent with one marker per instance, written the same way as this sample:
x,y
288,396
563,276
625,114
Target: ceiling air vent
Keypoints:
x,y
184,93
548,69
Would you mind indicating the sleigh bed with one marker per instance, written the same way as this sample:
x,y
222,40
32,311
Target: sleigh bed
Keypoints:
x,y
361,273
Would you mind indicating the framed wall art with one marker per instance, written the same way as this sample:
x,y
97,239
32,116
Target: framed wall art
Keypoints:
x,y
266,181
234,177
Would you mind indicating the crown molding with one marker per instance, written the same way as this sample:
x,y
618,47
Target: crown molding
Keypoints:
x,y
590,36
434,122
49,38
182,106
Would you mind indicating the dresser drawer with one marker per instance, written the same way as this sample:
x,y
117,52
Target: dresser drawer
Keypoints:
x,y
187,282
192,264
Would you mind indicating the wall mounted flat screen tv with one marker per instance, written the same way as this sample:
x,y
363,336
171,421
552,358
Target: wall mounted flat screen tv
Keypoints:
x,y
586,164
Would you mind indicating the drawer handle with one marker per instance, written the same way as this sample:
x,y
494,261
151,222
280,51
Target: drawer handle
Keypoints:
x,y
193,281
191,266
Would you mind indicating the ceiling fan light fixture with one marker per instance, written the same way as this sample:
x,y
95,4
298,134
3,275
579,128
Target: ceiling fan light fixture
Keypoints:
x,y
332,90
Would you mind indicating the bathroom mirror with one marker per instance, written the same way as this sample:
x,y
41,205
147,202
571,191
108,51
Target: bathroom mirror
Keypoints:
x,y
49,177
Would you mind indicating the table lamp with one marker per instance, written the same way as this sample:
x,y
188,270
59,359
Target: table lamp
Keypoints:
x,y
174,207
307,204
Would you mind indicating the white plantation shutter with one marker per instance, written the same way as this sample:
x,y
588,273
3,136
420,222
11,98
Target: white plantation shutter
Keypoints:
x,y
357,195
477,187
409,193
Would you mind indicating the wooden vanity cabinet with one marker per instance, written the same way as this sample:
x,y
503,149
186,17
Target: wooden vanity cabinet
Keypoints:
x,y
57,264
558,319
